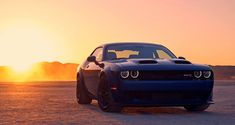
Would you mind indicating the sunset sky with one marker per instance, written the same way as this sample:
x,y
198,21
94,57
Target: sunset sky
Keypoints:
x,y
31,31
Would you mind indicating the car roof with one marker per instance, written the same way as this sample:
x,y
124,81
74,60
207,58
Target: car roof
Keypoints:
x,y
129,43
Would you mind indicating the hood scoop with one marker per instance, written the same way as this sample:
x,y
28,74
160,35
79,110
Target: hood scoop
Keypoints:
x,y
181,62
147,62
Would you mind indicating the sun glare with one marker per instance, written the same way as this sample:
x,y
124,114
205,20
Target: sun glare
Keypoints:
x,y
23,45
21,68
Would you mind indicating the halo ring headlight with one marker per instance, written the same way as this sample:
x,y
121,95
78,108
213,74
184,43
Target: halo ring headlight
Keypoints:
x,y
197,74
207,74
124,74
134,74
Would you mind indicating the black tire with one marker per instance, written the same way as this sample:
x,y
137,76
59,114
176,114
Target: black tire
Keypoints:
x,y
81,92
105,99
196,108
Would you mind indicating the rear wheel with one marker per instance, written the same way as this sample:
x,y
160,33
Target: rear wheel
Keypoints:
x,y
81,92
197,107
105,99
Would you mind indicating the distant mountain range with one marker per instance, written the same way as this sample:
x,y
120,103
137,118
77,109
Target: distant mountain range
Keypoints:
x,y
56,71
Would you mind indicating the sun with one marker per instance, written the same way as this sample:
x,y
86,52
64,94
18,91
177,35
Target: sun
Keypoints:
x,y
23,45
21,68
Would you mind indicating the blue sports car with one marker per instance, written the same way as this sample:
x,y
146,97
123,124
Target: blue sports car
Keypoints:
x,y
142,74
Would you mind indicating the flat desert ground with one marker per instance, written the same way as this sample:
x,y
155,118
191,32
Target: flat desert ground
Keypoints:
x,y
54,103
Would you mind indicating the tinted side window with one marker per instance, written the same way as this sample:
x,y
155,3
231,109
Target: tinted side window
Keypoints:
x,y
98,54
163,55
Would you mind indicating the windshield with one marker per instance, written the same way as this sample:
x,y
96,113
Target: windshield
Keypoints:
x,y
137,51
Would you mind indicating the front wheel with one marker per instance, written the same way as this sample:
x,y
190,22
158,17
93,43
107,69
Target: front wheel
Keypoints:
x,y
81,93
197,107
105,99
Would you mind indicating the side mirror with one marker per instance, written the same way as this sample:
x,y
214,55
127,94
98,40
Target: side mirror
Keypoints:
x,y
180,57
91,59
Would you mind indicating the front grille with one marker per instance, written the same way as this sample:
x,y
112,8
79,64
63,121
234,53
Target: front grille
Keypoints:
x,y
166,75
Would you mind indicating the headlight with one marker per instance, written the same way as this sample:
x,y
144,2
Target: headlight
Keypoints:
x,y
134,74
197,74
207,74
124,74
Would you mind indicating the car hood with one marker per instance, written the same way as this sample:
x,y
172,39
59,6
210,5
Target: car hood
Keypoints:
x,y
157,64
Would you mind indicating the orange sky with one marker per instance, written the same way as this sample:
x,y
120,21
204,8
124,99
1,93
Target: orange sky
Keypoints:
x,y
203,31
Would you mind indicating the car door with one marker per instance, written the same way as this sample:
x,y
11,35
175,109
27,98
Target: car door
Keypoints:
x,y
91,72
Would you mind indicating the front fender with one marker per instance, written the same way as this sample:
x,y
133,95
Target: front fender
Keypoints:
x,y
113,79
112,74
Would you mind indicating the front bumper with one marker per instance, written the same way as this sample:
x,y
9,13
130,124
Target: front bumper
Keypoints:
x,y
164,93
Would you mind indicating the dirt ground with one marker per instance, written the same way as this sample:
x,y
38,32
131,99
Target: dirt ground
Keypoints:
x,y
54,103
